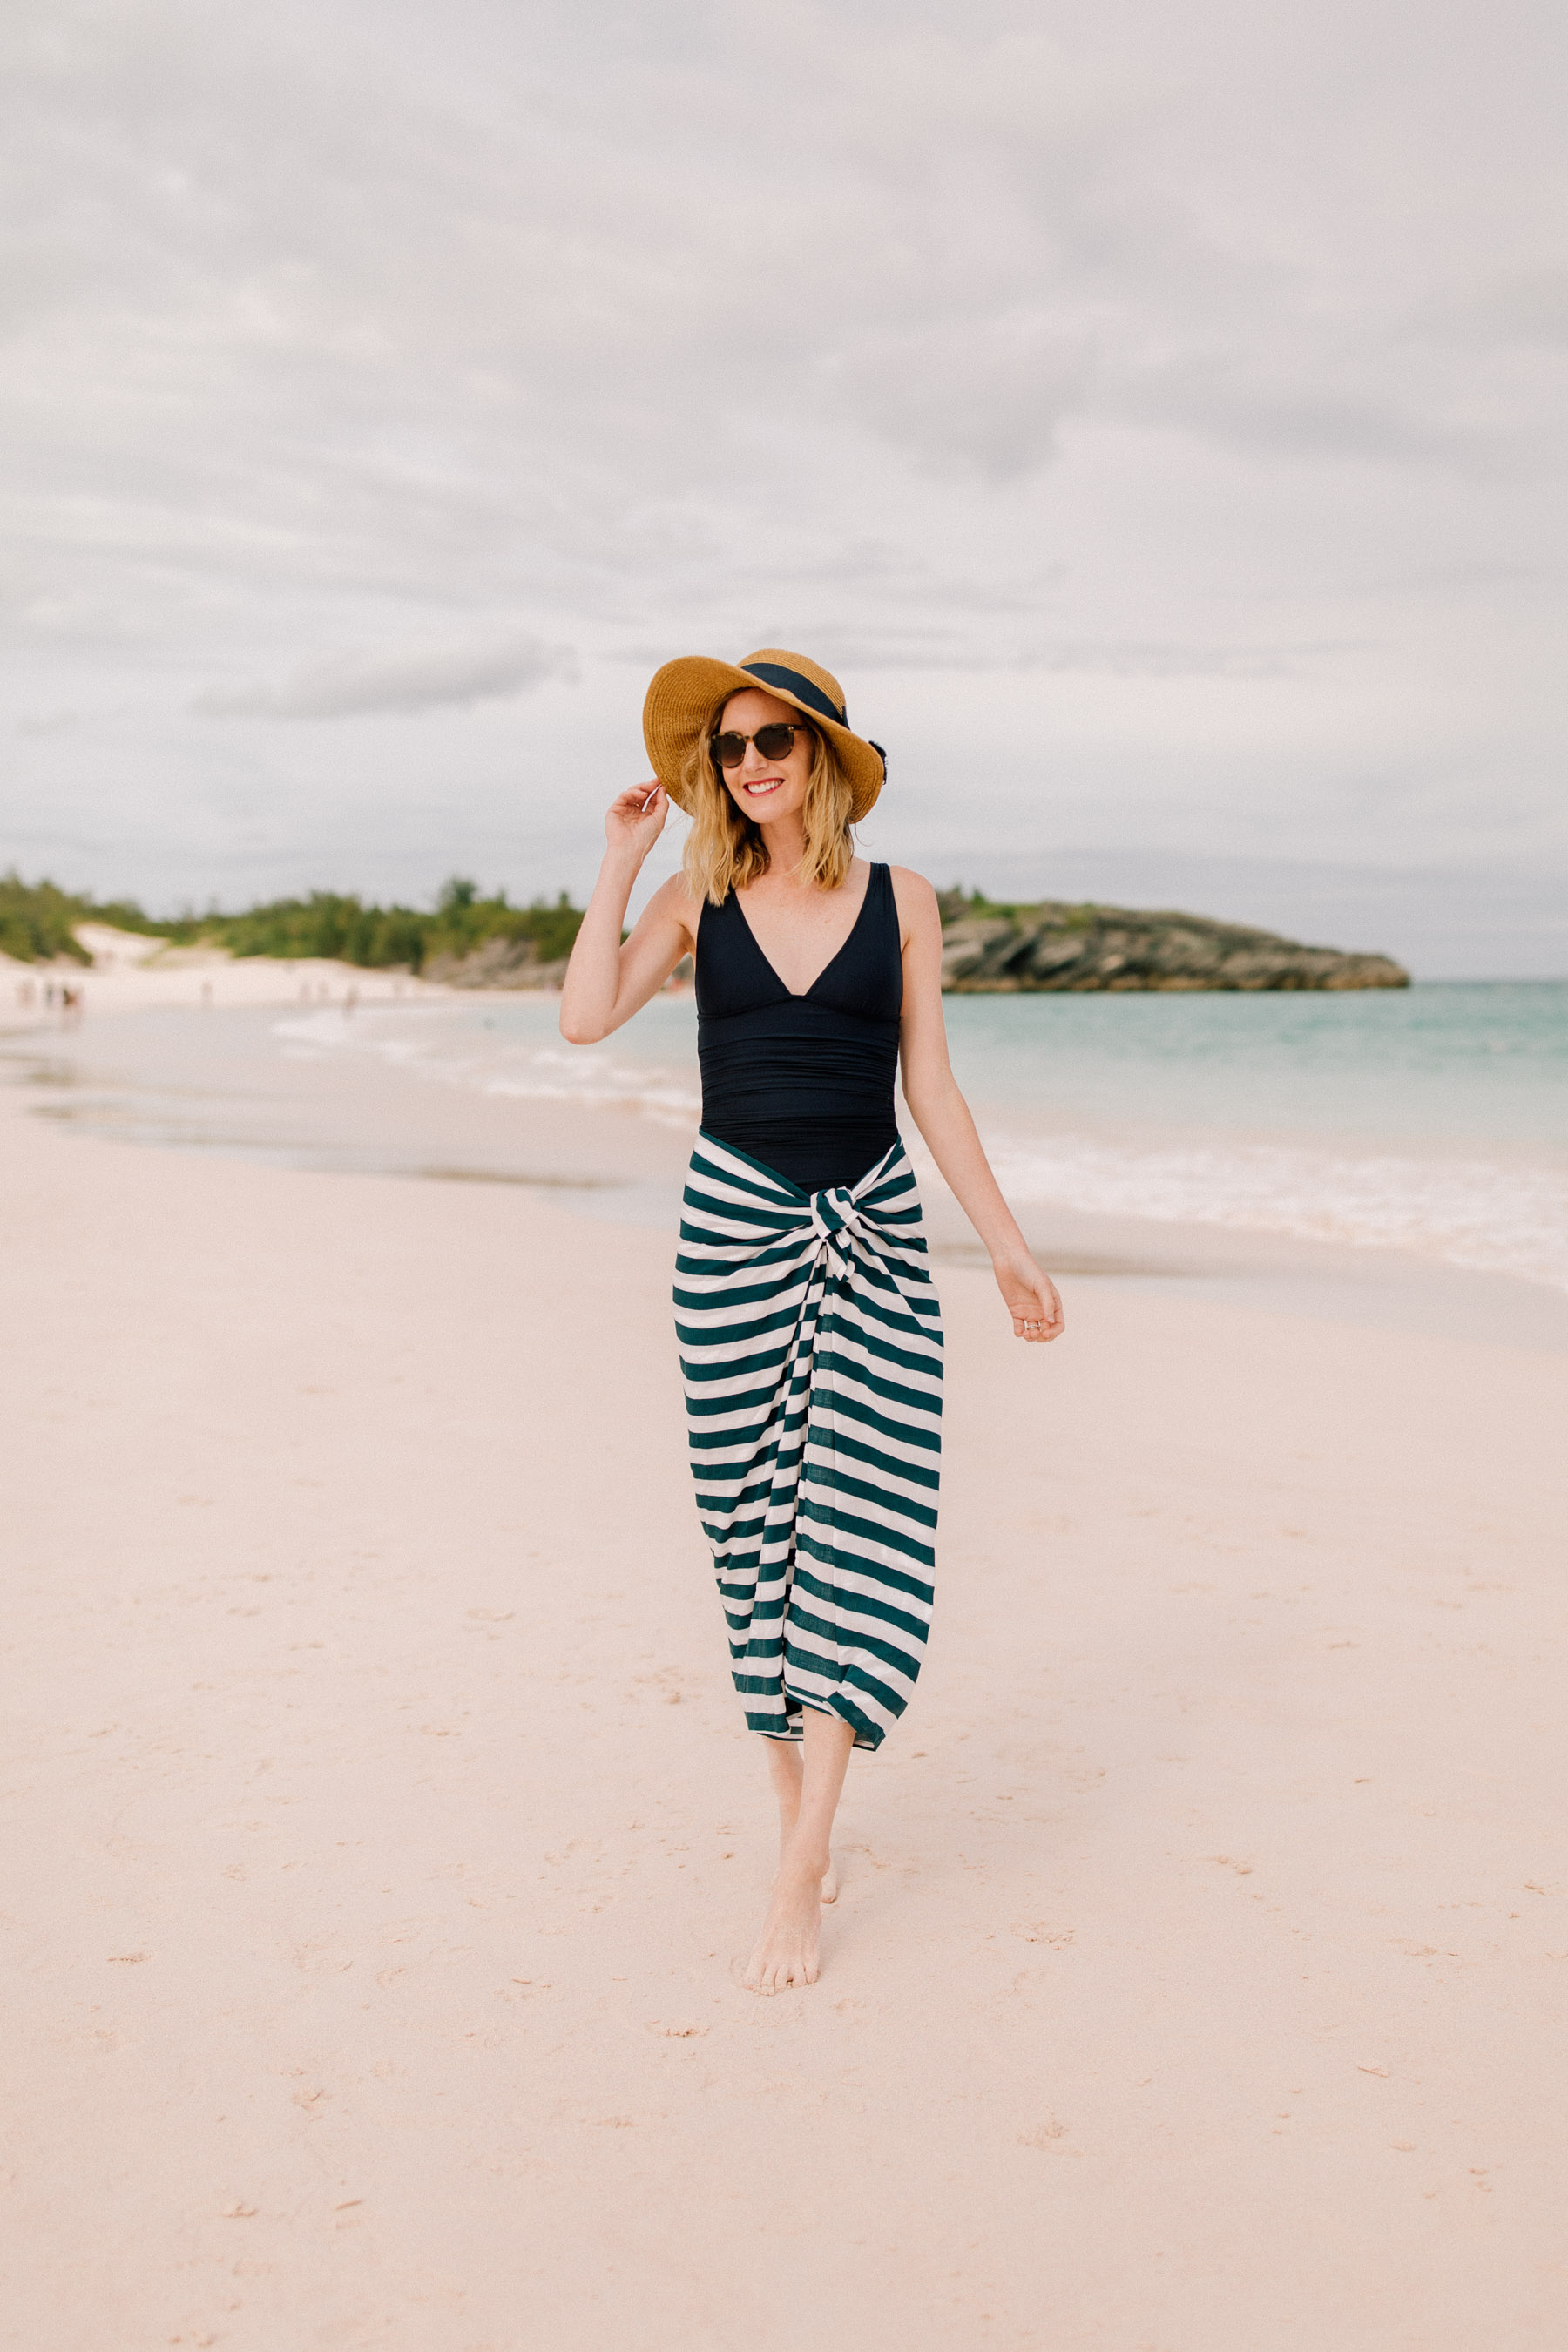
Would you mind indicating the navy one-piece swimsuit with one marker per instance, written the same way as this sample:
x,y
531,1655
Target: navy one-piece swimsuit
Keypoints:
x,y
805,1084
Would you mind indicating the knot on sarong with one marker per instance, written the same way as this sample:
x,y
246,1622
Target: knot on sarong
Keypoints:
x,y
837,1226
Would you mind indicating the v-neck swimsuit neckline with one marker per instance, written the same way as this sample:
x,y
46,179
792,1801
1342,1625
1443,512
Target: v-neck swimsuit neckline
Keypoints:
x,y
802,1084
801,995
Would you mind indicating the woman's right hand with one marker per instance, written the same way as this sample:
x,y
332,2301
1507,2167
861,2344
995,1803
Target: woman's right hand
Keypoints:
x,y
635,819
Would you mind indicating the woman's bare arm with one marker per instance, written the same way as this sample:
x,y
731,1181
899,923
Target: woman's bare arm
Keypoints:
x,y
943,1118
608,978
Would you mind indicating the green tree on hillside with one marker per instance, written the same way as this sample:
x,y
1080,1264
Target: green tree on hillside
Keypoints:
x,y
38,920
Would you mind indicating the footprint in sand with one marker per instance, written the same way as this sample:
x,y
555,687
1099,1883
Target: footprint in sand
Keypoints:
x,y
1040,1931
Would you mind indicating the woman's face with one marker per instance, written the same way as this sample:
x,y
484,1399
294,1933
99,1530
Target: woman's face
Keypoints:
x,y
766,790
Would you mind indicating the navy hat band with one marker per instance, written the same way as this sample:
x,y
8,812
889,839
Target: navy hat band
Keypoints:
x,y
774,674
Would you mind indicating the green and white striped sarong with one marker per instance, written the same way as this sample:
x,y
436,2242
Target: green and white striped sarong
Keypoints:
x,y
811,1348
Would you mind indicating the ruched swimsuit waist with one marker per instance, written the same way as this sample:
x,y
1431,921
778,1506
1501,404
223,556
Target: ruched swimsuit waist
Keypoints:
x,y
802,1087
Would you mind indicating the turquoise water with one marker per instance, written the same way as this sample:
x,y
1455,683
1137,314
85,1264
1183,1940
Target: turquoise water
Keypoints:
x,y
1432,1121
1456,1061
1484,1060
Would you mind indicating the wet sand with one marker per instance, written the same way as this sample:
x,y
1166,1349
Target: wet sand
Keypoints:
x,y
385,1842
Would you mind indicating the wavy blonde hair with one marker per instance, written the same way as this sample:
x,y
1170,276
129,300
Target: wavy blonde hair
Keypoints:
x,y
725,851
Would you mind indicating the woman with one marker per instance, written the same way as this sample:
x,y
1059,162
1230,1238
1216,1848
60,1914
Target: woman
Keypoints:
x,y
810,1339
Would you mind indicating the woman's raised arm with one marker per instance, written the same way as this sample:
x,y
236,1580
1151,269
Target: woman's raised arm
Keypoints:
x,y
608,979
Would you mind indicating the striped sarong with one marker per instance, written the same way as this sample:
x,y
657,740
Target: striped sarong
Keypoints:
x,y
811,1349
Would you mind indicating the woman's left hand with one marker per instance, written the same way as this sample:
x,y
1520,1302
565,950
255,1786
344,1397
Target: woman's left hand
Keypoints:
x,y
1030,1297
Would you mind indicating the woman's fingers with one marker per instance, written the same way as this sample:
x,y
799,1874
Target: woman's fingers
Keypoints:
x,y
1030,1297
638,800
639,810
1038,1315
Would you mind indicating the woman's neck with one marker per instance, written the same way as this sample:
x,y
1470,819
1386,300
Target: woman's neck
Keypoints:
x,y
786,844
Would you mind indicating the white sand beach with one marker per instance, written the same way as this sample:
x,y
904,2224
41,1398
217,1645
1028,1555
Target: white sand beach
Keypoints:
x,y
384,1838
132,973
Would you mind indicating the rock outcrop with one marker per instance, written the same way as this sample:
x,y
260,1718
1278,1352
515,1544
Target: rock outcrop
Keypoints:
x,y
498,963
1091,949
1052,946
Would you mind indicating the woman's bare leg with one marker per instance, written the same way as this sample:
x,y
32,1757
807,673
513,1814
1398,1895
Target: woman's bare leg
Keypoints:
x,y
786,1767
786,1948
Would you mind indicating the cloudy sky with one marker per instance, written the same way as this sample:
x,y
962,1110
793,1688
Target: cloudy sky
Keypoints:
x,y
1154,413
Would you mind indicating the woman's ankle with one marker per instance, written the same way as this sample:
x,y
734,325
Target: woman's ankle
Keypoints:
x,y
805,1860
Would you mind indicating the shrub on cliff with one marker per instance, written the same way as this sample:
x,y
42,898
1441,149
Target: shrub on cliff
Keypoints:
x,y
37,922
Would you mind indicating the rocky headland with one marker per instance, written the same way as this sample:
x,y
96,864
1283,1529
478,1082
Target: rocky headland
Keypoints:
x,y
469,942
998,949
1084,950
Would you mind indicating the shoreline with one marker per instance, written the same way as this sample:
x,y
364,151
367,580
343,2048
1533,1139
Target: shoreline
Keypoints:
x,y
614,1161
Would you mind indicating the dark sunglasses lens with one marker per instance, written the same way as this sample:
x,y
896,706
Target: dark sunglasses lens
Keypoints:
x,y
775,742
728,750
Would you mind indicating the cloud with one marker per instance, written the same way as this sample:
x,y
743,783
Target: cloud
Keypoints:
x,y
983,394
1177,346
348,685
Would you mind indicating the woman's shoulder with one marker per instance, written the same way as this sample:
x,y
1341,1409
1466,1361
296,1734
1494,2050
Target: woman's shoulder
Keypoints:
x,y
913,895
673,902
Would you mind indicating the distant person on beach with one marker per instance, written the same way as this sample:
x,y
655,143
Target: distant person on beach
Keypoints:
x,y
810,1335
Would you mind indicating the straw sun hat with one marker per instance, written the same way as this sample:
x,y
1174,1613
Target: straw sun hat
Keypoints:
x,y
685,694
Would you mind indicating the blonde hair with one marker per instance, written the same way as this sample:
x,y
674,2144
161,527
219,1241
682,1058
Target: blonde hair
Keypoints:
x,y
725,851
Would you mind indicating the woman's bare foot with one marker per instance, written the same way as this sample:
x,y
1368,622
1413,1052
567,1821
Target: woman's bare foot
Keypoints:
x,y
807,1781
786,1948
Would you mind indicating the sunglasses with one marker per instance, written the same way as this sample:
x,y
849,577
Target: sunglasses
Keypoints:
x,y
775,742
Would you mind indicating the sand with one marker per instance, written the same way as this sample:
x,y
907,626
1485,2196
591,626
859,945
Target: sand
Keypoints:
x,y
129,973
383,1840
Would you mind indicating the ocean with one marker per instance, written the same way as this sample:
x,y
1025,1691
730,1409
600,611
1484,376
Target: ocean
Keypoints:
x,y
1432,1122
